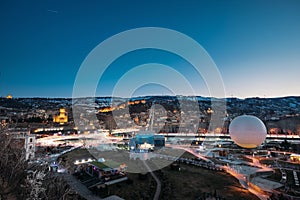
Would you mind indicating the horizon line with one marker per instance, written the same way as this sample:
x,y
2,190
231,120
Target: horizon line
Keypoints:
x,y
158,95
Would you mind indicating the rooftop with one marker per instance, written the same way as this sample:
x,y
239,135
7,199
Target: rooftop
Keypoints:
x,y
108,164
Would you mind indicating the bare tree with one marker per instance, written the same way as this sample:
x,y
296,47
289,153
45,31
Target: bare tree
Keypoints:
x,y
12,167
17,183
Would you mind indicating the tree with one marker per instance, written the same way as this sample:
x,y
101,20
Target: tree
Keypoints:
x,y
12,167
17,183
34,183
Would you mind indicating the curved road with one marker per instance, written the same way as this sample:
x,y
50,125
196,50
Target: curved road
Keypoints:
x,y
158,183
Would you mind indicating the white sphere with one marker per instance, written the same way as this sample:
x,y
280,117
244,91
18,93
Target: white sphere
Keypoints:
x,y
247,131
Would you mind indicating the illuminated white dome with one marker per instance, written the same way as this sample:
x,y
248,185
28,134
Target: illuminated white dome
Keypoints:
x,y
247,131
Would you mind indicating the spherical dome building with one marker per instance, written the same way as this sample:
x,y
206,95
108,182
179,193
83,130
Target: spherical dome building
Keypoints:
x,y
247,131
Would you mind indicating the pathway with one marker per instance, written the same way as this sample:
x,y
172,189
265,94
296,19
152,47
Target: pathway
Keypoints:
x,y
190,151
79,187
242,179
158,183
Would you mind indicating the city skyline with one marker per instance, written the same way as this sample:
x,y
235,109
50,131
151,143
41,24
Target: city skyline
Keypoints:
x,y
255,45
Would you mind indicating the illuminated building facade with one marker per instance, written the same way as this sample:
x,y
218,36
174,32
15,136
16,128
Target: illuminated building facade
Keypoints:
x,y
295,158
62,117
145,142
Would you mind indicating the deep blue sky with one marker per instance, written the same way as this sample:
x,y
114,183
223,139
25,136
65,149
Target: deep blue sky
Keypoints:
x,y
255,44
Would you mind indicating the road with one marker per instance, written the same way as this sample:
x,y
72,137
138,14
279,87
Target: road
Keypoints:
x,y
158,183
190,151
242,179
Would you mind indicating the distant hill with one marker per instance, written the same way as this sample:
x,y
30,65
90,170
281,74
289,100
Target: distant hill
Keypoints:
x,y
282,112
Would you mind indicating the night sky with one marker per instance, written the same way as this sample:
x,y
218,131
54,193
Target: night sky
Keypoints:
x,y
255,44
